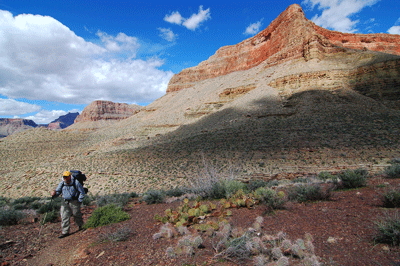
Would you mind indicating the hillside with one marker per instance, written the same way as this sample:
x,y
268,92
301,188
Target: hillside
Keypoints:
x,y
291,101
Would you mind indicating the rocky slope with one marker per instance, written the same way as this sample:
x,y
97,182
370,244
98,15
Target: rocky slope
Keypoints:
x,y
9,126
291,101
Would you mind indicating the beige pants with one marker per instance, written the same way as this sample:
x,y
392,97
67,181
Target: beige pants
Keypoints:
x,y
68,209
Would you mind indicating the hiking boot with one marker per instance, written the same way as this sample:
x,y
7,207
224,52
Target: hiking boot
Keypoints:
x,y
63,235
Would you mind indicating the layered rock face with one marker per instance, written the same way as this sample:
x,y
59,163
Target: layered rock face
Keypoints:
x,y
290,36
63,121
10,126
107,110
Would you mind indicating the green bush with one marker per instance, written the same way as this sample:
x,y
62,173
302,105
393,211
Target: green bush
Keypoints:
x,y
391,199
175,192
308,192
50,216
53,205
118,199
392,171
10,216
232,186
389,229
254,184
353,178
154,196
106,215
25,200
325,176
3,201
269,197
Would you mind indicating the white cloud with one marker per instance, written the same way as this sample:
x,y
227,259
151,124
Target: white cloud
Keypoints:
x,y
336,14
191,23
167,34
195,20
253,28
10,107
394,30
45,116
41,59
174,18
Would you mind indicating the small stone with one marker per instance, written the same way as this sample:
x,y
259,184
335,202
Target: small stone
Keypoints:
x,y
331,240
385,248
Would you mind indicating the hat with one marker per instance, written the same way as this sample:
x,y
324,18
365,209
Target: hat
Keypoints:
x,y
67,173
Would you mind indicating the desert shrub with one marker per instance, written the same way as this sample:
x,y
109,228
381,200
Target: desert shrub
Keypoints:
x,y
353,178
270,197
121,234
3,201
176,192
391,199
10,216
392,171
53,205
50,206
233,186
325,176
308,192
106,215
388,229
210,180
118,199
36,205
154,196
50,216
254,184
25,200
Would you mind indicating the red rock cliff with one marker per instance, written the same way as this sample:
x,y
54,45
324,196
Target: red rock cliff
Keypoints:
x,y
106,110
289,36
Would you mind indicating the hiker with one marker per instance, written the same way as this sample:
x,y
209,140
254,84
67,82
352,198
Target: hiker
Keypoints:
x,y
73,194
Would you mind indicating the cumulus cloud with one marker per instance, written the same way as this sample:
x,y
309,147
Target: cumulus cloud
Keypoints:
x,y
167,34
41,59
191,23
253,28
46,116
10,107
174,18
395,29
336,14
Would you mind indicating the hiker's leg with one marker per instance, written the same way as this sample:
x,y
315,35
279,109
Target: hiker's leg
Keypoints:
x,y
76,211
65,215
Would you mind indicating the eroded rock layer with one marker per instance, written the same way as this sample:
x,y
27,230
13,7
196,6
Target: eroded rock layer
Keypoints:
x,y
107,110
290,36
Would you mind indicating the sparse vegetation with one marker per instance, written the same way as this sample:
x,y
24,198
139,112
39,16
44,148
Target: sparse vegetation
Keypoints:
x,y
154,196
392,171
388,228
391,198
309,192
10,216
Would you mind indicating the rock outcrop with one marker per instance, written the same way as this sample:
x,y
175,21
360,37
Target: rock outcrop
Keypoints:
x,y
107,110
63,121
10,126
290,36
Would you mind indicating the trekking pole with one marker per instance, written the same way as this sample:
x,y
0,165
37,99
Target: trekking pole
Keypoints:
x,y
45,216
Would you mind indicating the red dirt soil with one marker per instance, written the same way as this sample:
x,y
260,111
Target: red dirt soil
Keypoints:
x,y
347,219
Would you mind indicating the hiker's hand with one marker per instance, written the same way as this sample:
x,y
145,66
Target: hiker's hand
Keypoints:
x,y
53,193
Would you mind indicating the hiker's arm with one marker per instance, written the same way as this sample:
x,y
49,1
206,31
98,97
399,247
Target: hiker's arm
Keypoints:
x,y
58,190
79,187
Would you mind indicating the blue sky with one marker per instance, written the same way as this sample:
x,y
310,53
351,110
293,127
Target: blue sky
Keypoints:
x,y
59,56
